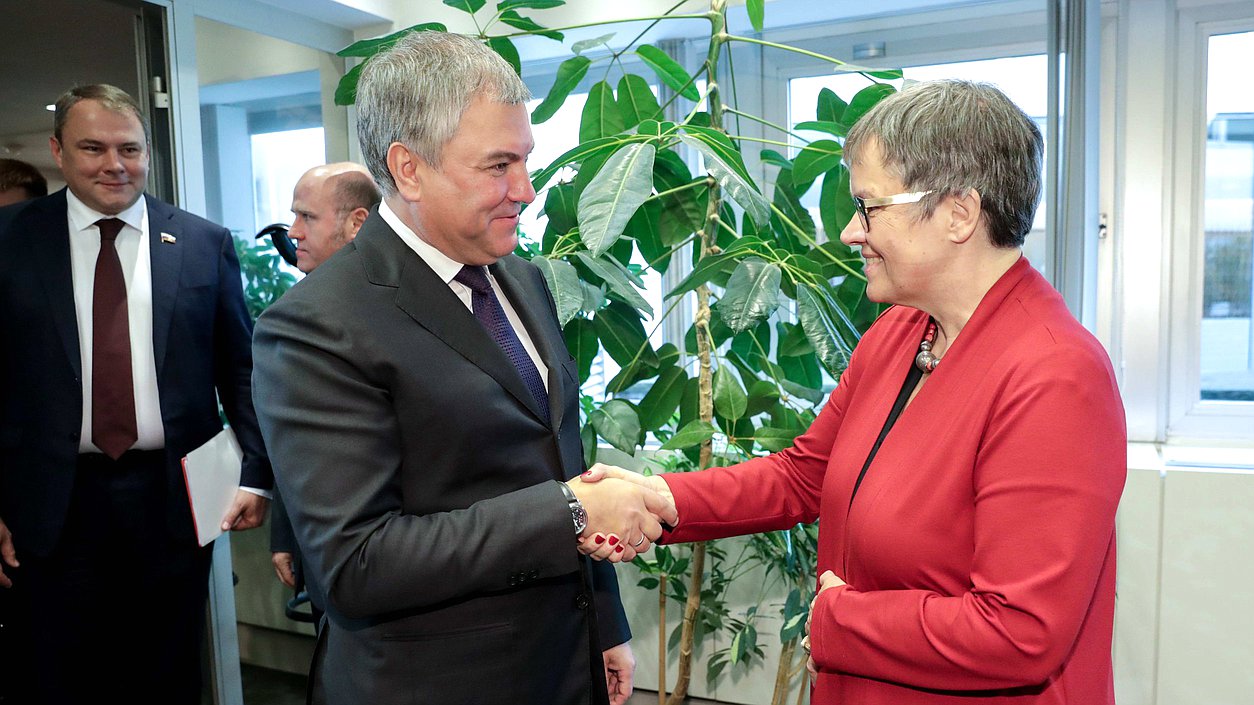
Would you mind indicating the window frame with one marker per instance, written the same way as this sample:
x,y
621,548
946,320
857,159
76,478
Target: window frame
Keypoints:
x,y
1189,418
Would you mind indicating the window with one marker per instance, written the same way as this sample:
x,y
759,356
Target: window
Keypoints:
x,y
1227,337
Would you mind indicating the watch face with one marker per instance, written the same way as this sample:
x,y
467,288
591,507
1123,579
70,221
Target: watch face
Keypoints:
x,y
580,516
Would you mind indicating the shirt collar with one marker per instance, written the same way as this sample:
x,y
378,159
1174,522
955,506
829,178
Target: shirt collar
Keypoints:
x,y
444,266
82,216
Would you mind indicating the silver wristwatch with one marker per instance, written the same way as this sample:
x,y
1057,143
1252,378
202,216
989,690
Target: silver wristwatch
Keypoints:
x,y
577,512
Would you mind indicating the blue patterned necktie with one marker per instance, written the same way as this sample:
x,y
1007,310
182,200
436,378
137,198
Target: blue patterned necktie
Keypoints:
x,y
491,316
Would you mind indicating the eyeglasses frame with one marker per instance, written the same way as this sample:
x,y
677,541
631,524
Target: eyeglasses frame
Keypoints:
x,y
864,205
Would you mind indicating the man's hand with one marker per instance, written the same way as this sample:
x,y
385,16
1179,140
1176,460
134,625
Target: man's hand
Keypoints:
x,y
620,671
613,546
625,515
8,554
827,581
284,567
247,511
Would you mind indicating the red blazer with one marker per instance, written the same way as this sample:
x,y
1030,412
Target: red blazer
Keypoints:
x,y
980,550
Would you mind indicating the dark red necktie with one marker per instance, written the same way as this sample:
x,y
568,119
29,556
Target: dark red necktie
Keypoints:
x,y
487,309
113,427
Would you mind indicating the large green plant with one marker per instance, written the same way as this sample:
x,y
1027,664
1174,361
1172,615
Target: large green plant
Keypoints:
x,y
747,381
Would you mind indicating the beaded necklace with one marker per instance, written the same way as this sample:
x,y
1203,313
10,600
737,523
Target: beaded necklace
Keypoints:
x,y
925,360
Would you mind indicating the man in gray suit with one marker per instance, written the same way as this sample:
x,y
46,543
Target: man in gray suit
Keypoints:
x,y
421,410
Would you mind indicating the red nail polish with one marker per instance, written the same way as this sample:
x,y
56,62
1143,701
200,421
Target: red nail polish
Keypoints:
x,y
614,540
588,474
618,549
599,539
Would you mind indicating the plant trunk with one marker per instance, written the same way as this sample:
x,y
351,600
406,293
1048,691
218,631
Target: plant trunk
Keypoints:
x,y
783,673
709,240
684,674
661,640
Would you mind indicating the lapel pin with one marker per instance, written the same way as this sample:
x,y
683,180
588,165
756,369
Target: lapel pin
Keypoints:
x,y
168,239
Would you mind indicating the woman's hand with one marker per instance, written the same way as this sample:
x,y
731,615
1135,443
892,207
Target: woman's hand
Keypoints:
x,y
827,581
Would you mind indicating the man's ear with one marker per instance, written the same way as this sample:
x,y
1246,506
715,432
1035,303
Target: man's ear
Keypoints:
x,y
355,219
54,144
964,215
407,170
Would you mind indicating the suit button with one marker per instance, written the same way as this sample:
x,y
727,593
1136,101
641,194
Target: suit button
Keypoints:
x,y
533,575
582,601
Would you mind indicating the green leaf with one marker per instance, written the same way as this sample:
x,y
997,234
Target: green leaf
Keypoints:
x,y
616,421
830,107
752,294
763,395
583,45
789,203
865,100
815,158
701,274
583,154
563,283
619,328
581,341
668,71
774,439
588,438
569,74
600,114
559,208
645,227
528,4
470,6
770,156
757,13
832,128
693,434
370,47
660,402
730,399
593,297
507,50
616,279
820,329
346,89
836,206
793,341
513,19
614,194
636,102
648,583
738,186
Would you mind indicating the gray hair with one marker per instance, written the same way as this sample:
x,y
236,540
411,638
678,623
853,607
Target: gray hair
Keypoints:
x,y
112,98
416,92
953,136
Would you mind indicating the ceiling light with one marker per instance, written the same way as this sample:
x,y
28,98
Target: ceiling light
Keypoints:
x,y
51,107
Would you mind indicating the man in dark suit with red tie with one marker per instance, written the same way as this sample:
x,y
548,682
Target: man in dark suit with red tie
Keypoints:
x,y
126,326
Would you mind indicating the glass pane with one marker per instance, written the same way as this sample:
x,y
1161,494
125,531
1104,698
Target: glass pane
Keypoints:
x,y
1023,78
1227,345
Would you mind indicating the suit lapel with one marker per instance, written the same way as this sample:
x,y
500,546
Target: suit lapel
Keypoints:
x,y
49,238
430,302
530,303
166,260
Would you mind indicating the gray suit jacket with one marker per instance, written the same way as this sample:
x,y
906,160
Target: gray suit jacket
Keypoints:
x,y
421,483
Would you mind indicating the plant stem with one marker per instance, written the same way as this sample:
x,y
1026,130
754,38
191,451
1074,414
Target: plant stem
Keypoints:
x,y
763,121
763,140
785,47
527,33
661,639
709,237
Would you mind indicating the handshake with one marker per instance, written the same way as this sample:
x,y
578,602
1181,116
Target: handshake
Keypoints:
x,y
626,512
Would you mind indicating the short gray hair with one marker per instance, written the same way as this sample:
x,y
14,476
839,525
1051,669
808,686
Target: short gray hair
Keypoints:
x,y
416,91
952,136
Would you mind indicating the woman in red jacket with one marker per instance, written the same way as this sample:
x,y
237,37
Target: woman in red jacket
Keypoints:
x,y
967,468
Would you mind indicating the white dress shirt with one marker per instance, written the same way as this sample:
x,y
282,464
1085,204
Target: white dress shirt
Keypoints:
x,y
446,268
137,272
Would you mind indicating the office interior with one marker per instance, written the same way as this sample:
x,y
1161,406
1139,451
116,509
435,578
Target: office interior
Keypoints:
x,y
1148,108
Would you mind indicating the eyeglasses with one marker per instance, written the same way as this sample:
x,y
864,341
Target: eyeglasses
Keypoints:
x,y
864,205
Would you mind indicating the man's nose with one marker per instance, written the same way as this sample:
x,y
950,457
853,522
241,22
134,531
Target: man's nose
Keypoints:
x,y
521,190
854,233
